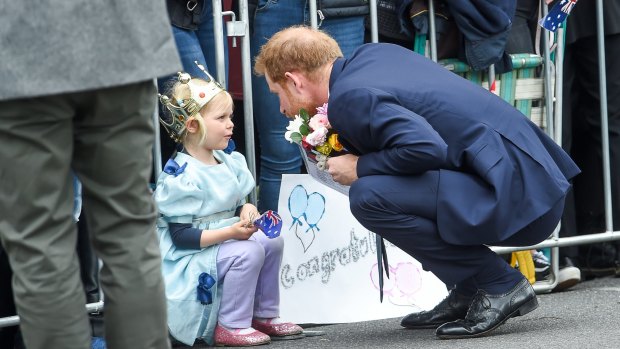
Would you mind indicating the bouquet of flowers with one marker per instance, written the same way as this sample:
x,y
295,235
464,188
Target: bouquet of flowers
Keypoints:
x,y
317,140
314,134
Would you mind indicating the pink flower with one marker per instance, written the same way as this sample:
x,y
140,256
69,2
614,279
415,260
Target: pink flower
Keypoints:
x,y
318,121
322,110
317,137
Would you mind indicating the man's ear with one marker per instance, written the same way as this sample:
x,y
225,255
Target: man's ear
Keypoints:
x,y
295,81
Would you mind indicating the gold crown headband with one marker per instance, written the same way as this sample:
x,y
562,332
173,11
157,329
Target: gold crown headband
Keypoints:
x,y
187,108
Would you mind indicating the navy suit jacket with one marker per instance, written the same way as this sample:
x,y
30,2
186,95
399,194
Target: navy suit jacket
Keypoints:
x,y
404,114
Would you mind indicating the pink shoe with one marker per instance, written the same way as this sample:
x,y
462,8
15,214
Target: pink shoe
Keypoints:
x,y
277,330
232,338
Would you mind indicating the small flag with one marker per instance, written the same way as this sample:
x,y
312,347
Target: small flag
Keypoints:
x,y
269,223
557,15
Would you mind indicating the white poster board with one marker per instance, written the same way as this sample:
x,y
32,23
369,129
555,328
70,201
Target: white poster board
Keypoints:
x,y
329,268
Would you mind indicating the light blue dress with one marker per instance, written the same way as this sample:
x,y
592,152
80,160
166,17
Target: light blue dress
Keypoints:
x,y
206,196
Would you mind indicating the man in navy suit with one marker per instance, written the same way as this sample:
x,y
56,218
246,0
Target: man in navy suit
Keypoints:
x,y
437,165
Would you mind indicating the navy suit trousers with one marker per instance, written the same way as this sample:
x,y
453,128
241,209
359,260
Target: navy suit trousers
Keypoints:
x,y
403,210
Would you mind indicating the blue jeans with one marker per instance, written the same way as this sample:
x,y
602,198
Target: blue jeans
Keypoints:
x,y
278,156
196,45
77,198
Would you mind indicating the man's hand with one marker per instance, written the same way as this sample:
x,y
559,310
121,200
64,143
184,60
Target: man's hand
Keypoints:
x,y
343,168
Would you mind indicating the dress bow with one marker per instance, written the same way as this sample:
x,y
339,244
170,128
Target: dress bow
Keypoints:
x,y
173,168
205,282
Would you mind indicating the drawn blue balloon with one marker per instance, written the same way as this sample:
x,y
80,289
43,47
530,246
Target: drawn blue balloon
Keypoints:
x,y
297,202
315,210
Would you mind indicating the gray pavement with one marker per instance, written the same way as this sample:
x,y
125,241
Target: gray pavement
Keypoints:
x,y
586,316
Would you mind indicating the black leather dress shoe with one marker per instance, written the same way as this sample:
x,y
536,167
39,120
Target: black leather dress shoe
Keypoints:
x,y
487,312
452,308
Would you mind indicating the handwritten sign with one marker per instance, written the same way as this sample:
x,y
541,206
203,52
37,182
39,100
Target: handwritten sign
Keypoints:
x,y
329,268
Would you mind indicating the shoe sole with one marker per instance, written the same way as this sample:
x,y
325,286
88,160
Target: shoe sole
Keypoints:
x,y
565,285
423,327
242,345
522,310
288,337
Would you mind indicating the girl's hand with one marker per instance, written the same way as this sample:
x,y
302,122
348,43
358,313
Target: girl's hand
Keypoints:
x,y
249,212
242,230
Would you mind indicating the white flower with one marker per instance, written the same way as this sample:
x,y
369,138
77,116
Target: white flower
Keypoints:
x,y
321,161
287,136
293,127
295,124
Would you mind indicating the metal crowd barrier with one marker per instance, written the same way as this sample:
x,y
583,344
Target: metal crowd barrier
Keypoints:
x,y
554,130
554,242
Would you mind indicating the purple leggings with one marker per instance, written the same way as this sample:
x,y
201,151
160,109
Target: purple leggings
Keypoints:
x,y
249,270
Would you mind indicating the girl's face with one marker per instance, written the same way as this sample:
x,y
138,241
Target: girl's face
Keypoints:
x,y
219,127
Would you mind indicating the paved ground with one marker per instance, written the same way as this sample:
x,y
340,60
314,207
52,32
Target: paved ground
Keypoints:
x,y
586,316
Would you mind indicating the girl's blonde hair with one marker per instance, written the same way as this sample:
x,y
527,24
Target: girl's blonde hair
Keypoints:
x,y
219,103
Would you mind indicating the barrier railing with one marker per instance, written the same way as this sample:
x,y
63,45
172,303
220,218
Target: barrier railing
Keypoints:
x,y
554,242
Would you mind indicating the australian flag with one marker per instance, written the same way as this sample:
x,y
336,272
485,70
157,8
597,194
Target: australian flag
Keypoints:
x,y
557,15
269,223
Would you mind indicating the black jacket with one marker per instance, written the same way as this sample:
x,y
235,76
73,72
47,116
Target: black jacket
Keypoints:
x,y
185,13
484,25
581,22
343,8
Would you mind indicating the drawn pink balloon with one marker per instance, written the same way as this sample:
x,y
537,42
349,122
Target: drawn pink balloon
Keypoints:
x,y
388,284
407,278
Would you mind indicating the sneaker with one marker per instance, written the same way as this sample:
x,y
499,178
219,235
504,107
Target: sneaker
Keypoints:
x,y
541,265
234,337
277,329
568,276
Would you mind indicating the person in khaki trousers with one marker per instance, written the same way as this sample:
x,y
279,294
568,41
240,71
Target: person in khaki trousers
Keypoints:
x,y
77,93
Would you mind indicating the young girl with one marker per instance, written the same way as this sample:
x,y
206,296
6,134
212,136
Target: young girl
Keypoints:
x,y
221,278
